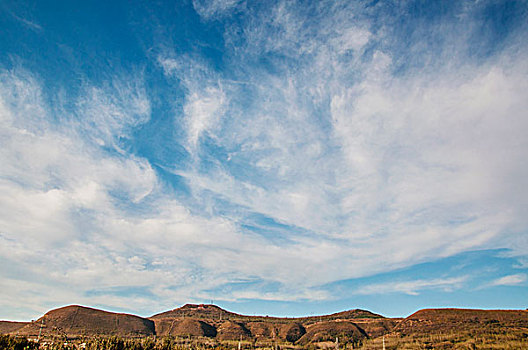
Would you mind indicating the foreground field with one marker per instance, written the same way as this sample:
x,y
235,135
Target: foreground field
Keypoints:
x,y
461,340
457,340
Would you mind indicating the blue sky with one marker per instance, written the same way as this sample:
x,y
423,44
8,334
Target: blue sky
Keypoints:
x,y
280,157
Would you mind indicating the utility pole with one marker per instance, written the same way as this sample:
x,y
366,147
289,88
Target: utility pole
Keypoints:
x,y
383,342
274,340
40,331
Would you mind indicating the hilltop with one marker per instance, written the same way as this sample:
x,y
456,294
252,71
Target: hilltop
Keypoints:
x,y
203,320
213,312
213,321
200,311
75,320
10,326
429,321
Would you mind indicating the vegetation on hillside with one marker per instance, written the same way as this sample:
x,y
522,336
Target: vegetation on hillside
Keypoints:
x,y
488,340
16,343
84,328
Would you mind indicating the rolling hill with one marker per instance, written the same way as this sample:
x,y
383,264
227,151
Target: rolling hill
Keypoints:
x,y
448,320
214,323
225,325
10,327
77,320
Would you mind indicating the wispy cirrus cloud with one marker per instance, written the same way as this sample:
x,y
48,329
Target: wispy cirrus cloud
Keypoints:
x,y
210,9
65,216
315,143
510,280
413,287
81,213
113,110
26,22
332,140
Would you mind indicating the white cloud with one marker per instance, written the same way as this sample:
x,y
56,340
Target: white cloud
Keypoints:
x,y
111,111
417,165
202,111
412,287
303,294
510,280
26,22
210,9
352,38
60,219
205,100
62,225
364,169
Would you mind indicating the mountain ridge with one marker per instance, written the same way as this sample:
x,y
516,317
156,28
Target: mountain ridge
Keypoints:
x,y
201,310
208,321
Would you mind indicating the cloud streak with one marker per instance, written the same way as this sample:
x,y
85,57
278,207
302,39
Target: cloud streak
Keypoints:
x,y
510,280
413,287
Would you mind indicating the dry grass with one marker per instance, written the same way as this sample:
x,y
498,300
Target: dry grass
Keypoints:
x,y
506,339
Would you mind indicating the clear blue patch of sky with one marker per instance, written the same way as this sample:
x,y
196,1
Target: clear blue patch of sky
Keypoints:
x,y
499,20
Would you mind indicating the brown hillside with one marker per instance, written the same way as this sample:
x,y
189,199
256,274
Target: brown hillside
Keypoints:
x,y
338,316
349,314
201,311
261,330
78,320
377,327
184,327
448,320
203,321
9,326
217,314
291,332
471,314
163,327
190,327
346,331
439,327
230,330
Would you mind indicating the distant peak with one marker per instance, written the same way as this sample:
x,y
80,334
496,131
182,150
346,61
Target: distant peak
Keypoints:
x,y
72,307
199,306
